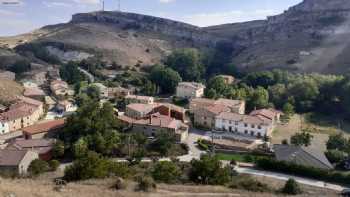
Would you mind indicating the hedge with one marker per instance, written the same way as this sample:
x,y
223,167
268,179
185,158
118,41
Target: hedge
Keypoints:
x,y
305,171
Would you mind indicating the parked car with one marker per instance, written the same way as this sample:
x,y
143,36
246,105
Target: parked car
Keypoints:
x,y
346,193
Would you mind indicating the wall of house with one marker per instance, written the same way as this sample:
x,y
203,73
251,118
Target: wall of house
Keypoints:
x,y
27,159
243,128
189,92
4,127
205,121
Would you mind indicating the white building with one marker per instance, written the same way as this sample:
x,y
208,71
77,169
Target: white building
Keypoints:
x,y
4,127
190,90
244,124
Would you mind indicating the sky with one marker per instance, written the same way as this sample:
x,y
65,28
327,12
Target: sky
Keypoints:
x,y
22,16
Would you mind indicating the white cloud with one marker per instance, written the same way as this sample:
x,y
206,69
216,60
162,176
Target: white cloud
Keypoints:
x,y
208,19
11,2
88,1
55,4
166,1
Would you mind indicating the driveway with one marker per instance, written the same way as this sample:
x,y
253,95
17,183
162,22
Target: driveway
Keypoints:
x,y
194,152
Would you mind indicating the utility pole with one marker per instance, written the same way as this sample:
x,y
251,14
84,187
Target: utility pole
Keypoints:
x,y
119,6
103,5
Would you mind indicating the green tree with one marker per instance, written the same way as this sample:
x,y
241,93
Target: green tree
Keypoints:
x,y
54,164
336,156
80,148
301,139
20,66
92,165
338,142
38,167
209,170
187,62
70,73
58,149
218,84
288,110
291,187
93,92
166,78
166,171
163,143
149,88
259,98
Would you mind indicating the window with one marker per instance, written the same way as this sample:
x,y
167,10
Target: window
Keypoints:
x,y
236,123
245,124
253,126
230,122
259,127
236,130
246,131
223,121
252,133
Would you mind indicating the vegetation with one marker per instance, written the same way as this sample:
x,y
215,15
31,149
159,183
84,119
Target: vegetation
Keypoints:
x,y
58,149
249,184
187,62
38,167
54,164
301,139
305,171
70,73
291,188
146,184
20,66
39,51
165,78
209,170
165,171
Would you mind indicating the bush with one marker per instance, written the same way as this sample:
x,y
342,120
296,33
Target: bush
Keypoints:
x,y
38,167
146,184
291,187
58,149
202,145
336,156
249,184
166,172
54,164
305,171
209,170
120,184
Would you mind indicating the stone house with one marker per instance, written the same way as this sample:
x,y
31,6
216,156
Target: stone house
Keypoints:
x,y
16,162
47,129
139,99
190,90
42,146
138,111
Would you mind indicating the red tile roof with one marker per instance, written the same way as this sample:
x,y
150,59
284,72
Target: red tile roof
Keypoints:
x,y
44,127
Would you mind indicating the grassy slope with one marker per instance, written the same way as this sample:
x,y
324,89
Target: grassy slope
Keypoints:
x,y
9,90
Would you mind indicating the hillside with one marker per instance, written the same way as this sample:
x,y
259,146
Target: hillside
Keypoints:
x,y
309,37
9,91
126,38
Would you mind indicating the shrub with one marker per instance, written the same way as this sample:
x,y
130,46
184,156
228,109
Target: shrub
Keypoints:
x,y
38,167
58,149
249,184
146,184
209,170
336,156
202,145
291,187
166,172
120,184
54,164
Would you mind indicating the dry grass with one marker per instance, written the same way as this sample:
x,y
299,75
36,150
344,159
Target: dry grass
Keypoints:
x,y
9,90
104,188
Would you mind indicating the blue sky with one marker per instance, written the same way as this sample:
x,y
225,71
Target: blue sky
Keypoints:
x,y
20,16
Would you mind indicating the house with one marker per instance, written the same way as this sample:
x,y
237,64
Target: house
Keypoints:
x,y
40,77
50,102
23,113
29,84
139,99
103,90
254,126
34,93
4,127
205,110
236,106
7,75
301,155
44,130
156,124
228,79
42,146
60,89
138,110
118,92
16,161
270,113
65,106
190,90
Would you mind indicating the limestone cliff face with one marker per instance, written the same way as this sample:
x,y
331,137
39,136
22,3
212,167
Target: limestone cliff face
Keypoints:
x,y
139,22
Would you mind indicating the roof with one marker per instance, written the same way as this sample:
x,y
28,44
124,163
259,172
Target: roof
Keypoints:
x,y
202,102
139,97
173,107
160,121
24,107
44,127
39,145
212,109
302,156
11,157
193,85
244,118
139,107
229,102
268,113
33,92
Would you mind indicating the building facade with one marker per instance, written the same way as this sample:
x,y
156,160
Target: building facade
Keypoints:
x,y
139,99
243,124
190,90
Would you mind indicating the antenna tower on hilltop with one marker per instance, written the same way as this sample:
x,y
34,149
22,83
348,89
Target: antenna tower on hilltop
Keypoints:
x,y
119,9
